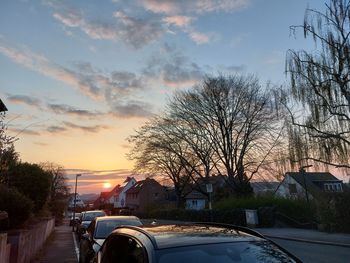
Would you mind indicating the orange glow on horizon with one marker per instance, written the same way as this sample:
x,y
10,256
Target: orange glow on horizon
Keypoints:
x,y
107,185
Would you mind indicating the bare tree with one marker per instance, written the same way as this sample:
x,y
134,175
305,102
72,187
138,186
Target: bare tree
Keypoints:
x,y
233,126
157,153
320,83
59,190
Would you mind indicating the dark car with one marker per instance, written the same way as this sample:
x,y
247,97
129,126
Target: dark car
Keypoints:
x,y
75,221
85,220
98,231
190,243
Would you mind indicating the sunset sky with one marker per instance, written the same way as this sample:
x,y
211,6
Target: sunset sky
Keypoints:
x,y
78,77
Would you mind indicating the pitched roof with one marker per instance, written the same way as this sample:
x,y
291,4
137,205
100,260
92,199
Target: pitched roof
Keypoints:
x,y
195,195
140,184
2,106
313,179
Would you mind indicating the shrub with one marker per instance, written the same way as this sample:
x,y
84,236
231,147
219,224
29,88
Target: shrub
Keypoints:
x,y
32,181
17,205
288,207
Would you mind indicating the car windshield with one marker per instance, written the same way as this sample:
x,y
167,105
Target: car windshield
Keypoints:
x,y
92,216
104,228
224,253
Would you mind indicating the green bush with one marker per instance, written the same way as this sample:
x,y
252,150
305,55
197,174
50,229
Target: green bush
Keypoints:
x,y
305,212
334,212
17,205
32,181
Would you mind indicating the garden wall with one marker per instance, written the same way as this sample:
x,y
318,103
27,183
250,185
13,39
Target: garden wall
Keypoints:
x,y
20,246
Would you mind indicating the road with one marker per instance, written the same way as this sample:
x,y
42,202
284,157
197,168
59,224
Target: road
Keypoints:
x,y
310,253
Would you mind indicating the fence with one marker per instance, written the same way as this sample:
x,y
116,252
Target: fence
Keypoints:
x,y
20,246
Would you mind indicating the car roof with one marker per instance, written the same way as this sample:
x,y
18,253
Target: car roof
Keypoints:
x,y
108,218
167,236
94,211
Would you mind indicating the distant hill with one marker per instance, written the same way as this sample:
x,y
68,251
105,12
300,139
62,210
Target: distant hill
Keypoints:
x,y
88,197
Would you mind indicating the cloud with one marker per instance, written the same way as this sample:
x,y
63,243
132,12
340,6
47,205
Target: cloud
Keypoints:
x,y
193,6
112,87
69,110
90,129
66,126
56,129
174,69
41,144
198,37
136,32
184,22
132,109
23,99
180,21
24,131
42,65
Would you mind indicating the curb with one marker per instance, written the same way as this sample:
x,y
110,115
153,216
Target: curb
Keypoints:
x,y
309,241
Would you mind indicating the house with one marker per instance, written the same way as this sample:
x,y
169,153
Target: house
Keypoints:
x,y
78,201
120,192
2,106
308,185
144,194
195,200
104,199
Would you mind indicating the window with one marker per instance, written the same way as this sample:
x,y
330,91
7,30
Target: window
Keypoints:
x,y
333,187
129,250
194,203
292,188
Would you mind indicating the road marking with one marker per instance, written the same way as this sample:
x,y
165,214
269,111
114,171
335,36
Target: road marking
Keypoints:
x,y
76,246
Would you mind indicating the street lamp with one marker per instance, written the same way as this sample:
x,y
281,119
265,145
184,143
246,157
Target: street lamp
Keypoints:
x,y
302,171
75,199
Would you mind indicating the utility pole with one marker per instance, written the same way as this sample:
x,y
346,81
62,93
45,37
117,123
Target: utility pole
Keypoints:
x,y
303,172
75,200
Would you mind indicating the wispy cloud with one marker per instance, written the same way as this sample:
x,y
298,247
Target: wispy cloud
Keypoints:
x,y
24,131
132,109
66,126
193,6
174,69
90,129
24,99
114,87
69,110
136,32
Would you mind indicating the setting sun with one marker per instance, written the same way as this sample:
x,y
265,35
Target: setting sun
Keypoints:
x,y
107,185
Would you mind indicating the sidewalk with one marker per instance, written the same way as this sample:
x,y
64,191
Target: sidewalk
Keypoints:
x,y
59,248
307,235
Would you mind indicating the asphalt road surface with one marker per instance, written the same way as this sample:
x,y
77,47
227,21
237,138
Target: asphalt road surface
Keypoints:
x,y
316,253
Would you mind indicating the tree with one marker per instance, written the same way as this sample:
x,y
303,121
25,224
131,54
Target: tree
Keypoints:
x,y
237,119
59,190
32,181
8,155
226,125
156,153
320,83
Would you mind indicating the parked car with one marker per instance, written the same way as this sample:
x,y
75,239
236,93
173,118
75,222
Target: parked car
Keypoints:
x,y
75,220
189,243
85,220
98,231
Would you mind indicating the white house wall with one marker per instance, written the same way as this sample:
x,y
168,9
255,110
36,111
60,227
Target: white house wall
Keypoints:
x,y
283,189
121,199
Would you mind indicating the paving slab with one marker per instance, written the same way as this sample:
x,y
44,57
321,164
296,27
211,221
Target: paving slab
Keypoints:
x,y
60,247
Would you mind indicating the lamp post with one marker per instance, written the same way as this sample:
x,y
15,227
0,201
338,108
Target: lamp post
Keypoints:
x,y
75,200
302,171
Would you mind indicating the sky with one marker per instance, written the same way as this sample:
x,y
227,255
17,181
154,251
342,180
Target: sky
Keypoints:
x,y
79,77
